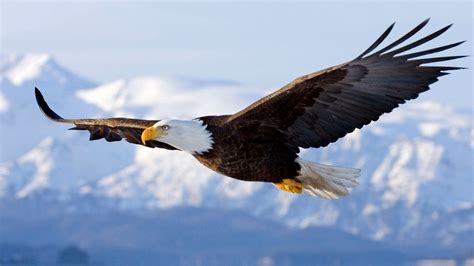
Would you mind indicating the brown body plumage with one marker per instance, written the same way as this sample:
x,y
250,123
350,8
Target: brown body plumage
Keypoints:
x,y
271,159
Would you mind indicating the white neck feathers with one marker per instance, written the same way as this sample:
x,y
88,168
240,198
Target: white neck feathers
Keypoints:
x,y
190,136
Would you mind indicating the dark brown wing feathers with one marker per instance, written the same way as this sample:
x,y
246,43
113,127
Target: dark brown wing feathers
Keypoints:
x,y
319,108
110,129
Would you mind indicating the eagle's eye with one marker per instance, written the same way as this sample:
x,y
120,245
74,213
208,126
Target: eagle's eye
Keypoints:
x,y
165,127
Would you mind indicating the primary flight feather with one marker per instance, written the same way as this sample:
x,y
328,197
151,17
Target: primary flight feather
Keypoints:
x,y
261,142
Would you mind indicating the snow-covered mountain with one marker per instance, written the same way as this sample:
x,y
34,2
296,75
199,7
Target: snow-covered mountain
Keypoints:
x,y
19,74
416,187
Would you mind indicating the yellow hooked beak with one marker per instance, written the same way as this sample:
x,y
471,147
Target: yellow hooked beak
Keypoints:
x,y
150,133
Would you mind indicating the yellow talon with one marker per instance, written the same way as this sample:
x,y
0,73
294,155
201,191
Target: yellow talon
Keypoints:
x,y
290,185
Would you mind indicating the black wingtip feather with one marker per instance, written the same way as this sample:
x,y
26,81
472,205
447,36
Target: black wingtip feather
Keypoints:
x,y
441,68
419,42
436,59
378,41
404,37
45,108
431,51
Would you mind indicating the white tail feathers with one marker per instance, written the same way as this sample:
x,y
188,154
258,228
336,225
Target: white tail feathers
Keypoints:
x,y
325,181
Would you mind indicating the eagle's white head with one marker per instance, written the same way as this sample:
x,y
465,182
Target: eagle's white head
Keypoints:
x,y
187,135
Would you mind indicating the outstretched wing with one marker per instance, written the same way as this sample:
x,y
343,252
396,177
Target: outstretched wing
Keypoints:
x,y
110,129
319,108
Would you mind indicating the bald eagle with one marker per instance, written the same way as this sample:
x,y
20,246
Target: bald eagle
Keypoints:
x,y
262,141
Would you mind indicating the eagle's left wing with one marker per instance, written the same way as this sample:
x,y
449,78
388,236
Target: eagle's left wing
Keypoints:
x,y
319,108
110,129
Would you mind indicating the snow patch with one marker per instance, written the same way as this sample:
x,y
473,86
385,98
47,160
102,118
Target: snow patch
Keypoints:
x,y
462,206
379,175
237,190
377,131
29,67
107,97
369,209
429,129
431,107
41,157
85,190
428,157
4,104
381,232
352,140
165,179
407,166
285,201
5,169
327,215
471,142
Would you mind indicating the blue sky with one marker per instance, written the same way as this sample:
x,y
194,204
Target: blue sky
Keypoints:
x,y
260,44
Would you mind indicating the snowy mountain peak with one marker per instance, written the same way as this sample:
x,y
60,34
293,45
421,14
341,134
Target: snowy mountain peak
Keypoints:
x,y
41,69
20,73
21,68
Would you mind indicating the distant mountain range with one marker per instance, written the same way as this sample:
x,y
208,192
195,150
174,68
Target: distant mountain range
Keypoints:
x,y
415,193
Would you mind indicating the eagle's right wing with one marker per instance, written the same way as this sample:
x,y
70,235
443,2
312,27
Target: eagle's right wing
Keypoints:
x,y
322,107
111,129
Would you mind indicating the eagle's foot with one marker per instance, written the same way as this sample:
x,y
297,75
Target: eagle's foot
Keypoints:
x,y
290,185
